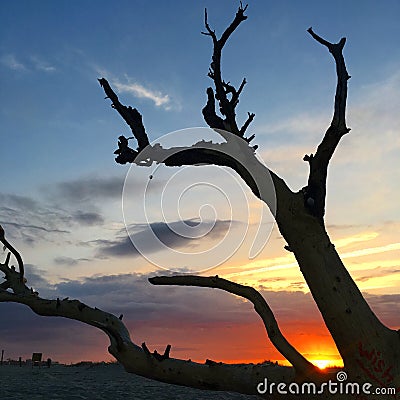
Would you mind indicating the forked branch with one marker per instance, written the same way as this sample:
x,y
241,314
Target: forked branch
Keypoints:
x,y
223,89
315,192
14,251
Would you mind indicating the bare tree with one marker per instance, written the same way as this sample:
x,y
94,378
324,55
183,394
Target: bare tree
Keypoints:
x,y
370,350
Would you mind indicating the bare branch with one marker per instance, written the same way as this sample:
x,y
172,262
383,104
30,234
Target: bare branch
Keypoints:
x,y
14,252
209,114
239,18
301,364
336,49
131,115
209,32
236,94
250,117
223,89
315,192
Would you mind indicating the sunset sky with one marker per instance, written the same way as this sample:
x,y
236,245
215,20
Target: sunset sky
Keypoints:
x,y
61,191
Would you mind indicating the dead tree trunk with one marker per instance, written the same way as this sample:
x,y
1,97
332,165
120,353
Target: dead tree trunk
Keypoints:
x,y
370,350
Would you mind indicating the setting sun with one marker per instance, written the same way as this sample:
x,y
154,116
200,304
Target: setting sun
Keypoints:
x,y
322,364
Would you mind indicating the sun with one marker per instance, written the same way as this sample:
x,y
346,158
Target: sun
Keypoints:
x,y
321,364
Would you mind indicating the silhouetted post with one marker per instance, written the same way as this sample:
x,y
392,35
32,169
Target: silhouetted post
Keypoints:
x,y
20,361
2,356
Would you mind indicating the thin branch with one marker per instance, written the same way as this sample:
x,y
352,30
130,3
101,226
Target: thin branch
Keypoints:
x,y
239,18
250,117
301,364
315,192
14,252
236,94
209,32
336,49
223,89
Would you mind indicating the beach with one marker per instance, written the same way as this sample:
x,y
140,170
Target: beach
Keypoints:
x,y
94,382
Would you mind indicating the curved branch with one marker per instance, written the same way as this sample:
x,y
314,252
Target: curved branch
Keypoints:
x,y
315,192
8,246
302,366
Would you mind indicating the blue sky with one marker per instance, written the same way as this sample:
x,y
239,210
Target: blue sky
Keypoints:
x,y
60,199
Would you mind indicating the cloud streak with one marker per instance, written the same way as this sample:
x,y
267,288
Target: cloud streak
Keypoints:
x,y
11,62
42,65
87,189
33,63
141,92
166,233
136,89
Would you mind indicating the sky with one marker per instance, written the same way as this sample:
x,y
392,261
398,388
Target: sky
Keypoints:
x,y
64,204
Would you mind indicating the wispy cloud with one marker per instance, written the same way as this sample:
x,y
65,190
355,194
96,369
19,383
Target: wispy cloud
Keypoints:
x,y
138,90
10,61
141,92
42,65
33,63
87,189
69,261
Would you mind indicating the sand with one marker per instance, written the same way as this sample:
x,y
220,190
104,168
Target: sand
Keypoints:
x,y
97,382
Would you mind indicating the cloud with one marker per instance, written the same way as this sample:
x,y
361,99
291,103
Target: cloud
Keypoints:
x,y
363,155
88,218
88,188
33,63
128,85
377,272
175,234
30,220
141,92
33,220
37,279
10,61
42,65
69,261
32,227
387,308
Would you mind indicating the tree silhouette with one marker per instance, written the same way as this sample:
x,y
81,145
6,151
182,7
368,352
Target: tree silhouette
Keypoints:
x,y
370,350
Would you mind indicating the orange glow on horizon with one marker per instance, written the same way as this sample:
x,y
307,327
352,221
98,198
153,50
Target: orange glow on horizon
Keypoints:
x,y
322,364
